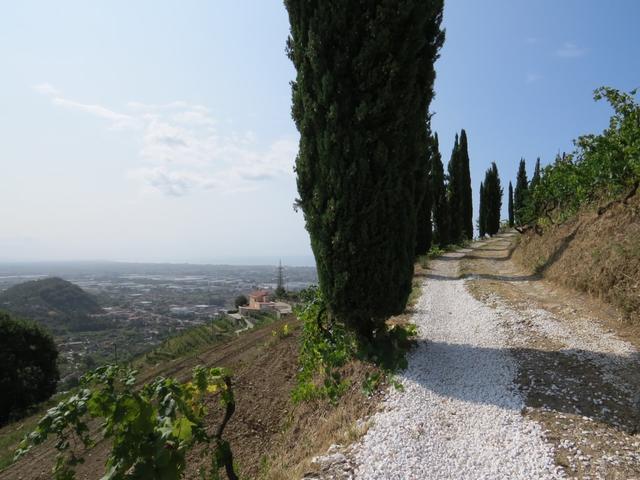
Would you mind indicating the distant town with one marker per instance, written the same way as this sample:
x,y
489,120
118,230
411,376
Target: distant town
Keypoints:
x,y
144,304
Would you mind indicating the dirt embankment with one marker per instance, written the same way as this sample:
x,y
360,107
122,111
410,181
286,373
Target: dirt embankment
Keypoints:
x,y
598,254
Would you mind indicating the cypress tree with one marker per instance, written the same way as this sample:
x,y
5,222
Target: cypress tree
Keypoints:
x,y
365,73
440,202
535,179
454,194
466,200
492,199
482,220
520,193
424,204
511,220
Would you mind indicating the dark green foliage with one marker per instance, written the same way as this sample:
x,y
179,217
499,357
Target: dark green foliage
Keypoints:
x,y
241,301
424,225
459,192
54,302
511,217
535,179
466,200
520,193
360,101
28,369
482,217
151,428
604,166
492,200
454,194
441,218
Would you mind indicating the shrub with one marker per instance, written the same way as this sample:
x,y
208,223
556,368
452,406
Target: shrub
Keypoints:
x,y
241,301
28,357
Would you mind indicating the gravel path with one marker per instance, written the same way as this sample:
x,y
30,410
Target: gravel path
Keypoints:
x,y
459,414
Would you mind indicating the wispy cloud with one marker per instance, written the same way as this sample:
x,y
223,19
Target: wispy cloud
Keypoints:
x,y
46,89
532,40
570,50
181,148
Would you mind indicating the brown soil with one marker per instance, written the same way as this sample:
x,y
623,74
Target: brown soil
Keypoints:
x,y
269,436
589,414
598,254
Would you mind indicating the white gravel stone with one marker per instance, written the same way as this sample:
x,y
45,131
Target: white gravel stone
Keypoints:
x,y
459,415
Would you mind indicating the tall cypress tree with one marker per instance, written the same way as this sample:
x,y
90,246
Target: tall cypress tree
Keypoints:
x,y
424,206
466,199
440,202
511,219
492,199
535,179
455,194
482,219
520,193
365,73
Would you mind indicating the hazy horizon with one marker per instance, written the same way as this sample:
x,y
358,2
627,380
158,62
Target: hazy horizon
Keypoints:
x,y
257,261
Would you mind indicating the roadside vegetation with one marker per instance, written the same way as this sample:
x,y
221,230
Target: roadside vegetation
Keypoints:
x,y
580,216
603,170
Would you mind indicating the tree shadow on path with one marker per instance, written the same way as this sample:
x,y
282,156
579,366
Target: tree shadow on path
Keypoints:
x,y
566,381
484,276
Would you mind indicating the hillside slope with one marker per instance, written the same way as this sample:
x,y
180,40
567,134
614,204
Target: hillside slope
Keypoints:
x,y
54,302
597,254
271,437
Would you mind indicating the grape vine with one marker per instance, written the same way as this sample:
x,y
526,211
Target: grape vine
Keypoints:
x,y
151,428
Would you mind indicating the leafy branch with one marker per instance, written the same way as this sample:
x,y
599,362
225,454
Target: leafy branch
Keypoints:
x,y
151,428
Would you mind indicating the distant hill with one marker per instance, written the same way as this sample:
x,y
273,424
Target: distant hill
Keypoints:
x,y
54,302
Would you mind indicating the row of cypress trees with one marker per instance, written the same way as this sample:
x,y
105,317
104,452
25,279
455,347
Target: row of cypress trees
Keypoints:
x,y
490,202
518,198
491,198
451,214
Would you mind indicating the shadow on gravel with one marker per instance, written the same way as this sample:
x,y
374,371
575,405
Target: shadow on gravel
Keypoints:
x,y
568,381
509,249
484,276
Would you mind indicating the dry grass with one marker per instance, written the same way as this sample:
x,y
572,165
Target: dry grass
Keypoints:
x,y
314,426
596,254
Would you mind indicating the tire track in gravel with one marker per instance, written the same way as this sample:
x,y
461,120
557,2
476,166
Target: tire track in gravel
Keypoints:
x,y
579,366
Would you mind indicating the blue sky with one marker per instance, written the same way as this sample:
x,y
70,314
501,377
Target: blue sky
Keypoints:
x,y
161,130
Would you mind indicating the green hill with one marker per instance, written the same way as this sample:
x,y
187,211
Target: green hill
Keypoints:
x,y
54,302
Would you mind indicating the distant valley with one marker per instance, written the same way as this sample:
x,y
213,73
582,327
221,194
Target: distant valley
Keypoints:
x,y
100,311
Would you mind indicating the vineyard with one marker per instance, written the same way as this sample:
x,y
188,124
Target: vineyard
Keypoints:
x,y
192,340
583,215
603,167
